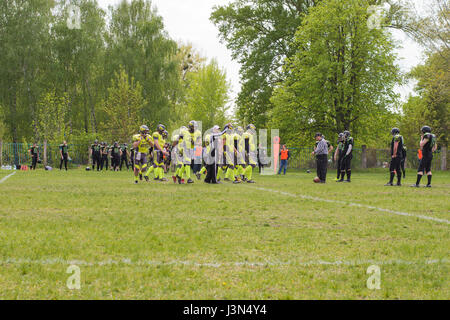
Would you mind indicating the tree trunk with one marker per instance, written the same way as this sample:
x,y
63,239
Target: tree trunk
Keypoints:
x,y
91,104
86,129
444,158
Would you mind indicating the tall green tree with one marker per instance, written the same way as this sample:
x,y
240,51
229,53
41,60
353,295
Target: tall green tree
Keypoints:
x,y
208,95
432,104
138,42
341,76
123,108
24,61
51,120
259,34
77,67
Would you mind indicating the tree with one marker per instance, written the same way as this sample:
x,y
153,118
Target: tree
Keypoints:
x,y
123,108
341,76
51,118
431,106
430,28
138,42
77,67
259,33
24,60
208,95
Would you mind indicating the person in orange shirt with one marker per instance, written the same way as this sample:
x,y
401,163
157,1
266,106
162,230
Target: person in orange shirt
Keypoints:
x,y
284,156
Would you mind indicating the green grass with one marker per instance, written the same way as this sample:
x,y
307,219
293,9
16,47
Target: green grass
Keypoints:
x,y
259,241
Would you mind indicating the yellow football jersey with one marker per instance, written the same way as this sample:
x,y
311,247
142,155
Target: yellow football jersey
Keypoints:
x,y
145,142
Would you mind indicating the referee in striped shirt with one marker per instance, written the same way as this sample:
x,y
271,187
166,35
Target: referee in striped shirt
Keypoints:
x,y
321,153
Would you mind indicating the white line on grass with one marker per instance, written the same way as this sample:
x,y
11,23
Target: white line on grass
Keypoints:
x,y
58,261
355,205
5,178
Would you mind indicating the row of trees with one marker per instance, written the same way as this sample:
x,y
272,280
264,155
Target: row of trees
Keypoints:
x,y
101,76
330,65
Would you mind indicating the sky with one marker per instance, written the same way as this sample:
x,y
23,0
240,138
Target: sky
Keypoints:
x,y
188,21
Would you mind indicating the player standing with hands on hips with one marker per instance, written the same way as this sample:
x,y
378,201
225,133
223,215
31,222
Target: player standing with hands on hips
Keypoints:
x,y
396,157
428,145
346,164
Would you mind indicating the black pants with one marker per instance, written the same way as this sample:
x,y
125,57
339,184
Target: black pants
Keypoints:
x,y
115,162
322,164
395,165
96,159
339,166
122,160
425,164
104,162
33,162
63,159
211,172
196,167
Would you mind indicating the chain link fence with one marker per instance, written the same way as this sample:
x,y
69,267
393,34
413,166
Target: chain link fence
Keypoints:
x,y
16,154
300,157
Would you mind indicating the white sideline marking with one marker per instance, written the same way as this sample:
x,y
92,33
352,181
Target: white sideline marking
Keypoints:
x,y
5,178
58,261
356,205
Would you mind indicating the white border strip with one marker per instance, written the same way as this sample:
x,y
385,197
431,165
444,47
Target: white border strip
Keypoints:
x,y
356,205
6,178
129,262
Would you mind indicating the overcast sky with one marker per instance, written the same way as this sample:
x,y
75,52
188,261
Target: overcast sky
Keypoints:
x,y
188,21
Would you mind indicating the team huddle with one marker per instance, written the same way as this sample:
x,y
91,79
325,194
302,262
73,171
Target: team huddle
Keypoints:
x,y
229,154
101,153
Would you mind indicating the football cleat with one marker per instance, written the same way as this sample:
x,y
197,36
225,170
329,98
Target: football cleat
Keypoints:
x,y
389,184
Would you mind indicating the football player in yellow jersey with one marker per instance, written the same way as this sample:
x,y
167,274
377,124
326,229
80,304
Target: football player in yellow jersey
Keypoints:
x,y
194,141
229,151
239,160
159,137
206,151
224,159
141,143
250,152
177,157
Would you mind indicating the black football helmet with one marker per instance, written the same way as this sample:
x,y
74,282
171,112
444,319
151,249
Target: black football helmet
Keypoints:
x,y
395,131
426,129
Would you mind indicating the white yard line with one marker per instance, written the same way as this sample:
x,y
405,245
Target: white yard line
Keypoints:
x,y
6,178
57,261
355,205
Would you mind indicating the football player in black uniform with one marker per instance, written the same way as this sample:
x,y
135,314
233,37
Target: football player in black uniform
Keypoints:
x,y
124,156
104,150
396,157
34,152
95,154
116,154
428,145
338,155
347,157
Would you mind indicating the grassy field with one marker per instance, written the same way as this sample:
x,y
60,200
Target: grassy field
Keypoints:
x,y
277,239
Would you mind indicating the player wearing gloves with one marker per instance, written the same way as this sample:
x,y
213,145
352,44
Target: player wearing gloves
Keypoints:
x,y
347,157
142,142
396,157
428,145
